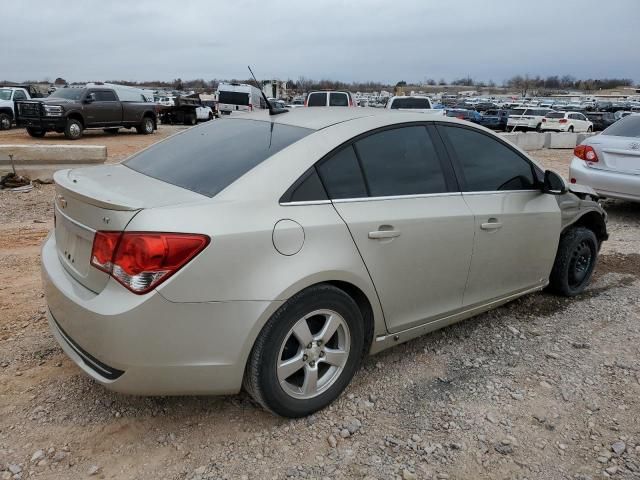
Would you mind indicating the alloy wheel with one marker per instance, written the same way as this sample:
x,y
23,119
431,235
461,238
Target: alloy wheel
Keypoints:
x,y
313,354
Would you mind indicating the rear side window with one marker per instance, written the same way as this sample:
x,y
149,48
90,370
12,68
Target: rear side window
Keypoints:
x,y
487,164
628,126
208,158
338,99
318,99
342,176
402,161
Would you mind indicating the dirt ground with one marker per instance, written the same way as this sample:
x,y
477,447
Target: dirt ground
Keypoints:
x,y
542,388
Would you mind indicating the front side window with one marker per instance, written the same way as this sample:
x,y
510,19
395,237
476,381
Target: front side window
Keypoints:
x,y
487,164
402,161
317,99
19,95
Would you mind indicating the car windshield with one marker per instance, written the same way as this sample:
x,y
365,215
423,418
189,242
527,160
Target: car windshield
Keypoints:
x,y
555,115
410,103
628,126
68,93
5,94
209,158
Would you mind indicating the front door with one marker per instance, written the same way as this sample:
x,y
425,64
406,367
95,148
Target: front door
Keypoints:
x,y
517,227
412,228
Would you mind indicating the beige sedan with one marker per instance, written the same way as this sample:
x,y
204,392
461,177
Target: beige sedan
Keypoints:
x,y
275,251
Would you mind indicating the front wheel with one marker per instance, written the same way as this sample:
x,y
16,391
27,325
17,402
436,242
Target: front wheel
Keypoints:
x,y
307,353
36,132
73,129
5,121
575,261
570,129
190,119
589,130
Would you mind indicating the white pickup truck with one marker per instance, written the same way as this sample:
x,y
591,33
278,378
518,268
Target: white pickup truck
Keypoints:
x,y
8,95
414,103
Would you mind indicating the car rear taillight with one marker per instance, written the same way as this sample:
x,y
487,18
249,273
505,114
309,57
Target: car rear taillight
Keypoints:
x,y
141,261
586,153
562,120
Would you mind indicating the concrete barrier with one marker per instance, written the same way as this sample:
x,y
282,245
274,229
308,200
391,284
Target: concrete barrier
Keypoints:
x,y
40,161
563,140
538,141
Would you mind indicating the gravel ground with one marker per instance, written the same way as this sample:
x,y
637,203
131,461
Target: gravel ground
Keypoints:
x,y
542,388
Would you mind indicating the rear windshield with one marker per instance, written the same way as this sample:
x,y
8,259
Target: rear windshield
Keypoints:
x,y
338,99
317,100
628,126
233,98
208,158
555,115
410,103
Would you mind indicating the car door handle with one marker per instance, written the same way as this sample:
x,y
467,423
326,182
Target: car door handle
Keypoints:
x,y
492,224
382,234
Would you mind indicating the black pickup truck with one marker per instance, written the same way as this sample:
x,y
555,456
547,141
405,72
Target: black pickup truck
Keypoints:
x,y
72,110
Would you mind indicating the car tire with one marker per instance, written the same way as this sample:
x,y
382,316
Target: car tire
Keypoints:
x,y
190,119
570,129
538,127
589,129
36,132
210,116
5,121
146,127
73,130
575,261
292,392
110,131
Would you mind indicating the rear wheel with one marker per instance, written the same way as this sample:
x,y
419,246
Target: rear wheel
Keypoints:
x,y
575,261
538,127
570,129
5,121
146,126
589,130
210,116
307,353
73,129
190,119
36,132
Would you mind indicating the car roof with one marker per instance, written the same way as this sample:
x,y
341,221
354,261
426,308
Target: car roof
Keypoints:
x,y
317,118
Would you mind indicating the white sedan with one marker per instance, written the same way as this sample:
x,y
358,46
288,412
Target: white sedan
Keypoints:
x,y
610,162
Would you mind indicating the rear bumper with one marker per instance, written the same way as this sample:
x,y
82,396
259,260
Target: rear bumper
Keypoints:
x,y
146,344
623,186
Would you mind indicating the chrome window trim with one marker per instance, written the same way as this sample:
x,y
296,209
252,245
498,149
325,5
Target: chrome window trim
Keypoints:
x,y
306,202
396,197
481,192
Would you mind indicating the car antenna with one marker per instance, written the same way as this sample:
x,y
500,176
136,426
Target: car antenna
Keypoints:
x,y
272,111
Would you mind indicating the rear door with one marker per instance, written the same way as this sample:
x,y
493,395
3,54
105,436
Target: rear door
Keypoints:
x,y
105,108
517,227
411,226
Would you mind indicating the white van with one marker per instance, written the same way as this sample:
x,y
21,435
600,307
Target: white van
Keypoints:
x,y
239,97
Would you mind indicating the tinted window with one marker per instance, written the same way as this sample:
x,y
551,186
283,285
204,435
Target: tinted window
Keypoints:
x,y
401,161
318,99
341,175
487,164
338,100
208,158
410,103
19,95
555,115
105,96
628,126
68,93
233,98
308,188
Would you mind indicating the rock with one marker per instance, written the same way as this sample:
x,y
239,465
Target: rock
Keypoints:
x,y
332,441
94,469
513,330
6,475
504,449
407,475
353,426
200,470
580,345
492,418
517,395
415,438
14,468
344,433
545,384
59,456
618,447
611,470
37,456
602,459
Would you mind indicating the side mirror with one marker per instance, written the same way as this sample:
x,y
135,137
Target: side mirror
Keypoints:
x,y
90,98
553,183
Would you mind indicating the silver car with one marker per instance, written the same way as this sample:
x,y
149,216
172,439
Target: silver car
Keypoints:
x,y
275,251
610,162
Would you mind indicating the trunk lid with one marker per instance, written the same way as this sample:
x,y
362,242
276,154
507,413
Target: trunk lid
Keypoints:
x,y
103,198
620,154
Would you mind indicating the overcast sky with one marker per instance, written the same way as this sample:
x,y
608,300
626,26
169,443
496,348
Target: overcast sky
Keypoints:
x,y
353,40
